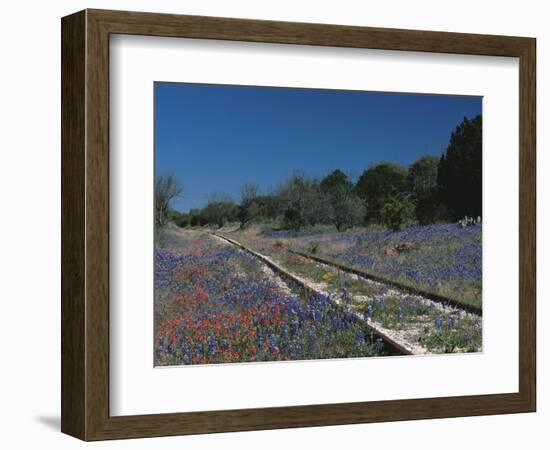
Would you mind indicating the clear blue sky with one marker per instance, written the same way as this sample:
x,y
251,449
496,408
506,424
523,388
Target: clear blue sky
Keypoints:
x,y
215,138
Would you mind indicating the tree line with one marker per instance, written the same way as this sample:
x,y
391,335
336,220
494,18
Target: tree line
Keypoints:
x,y
430,190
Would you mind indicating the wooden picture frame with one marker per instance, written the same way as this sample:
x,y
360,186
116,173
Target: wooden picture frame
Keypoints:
x,y
85,224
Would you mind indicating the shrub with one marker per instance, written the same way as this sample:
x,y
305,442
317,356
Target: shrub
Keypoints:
x,y
293,219
183,222
396,213
313,248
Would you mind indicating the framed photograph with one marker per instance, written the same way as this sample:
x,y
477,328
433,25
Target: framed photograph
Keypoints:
x,y
273,225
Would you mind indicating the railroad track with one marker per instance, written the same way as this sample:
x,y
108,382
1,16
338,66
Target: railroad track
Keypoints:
x,y
394,346
396,285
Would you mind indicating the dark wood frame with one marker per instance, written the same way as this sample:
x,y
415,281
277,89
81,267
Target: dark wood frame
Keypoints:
x,y
85,224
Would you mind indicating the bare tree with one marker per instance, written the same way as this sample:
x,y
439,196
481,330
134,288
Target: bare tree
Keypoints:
x,y
249,191
248,209
167,188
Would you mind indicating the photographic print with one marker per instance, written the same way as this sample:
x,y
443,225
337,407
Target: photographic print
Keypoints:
x,y
303,224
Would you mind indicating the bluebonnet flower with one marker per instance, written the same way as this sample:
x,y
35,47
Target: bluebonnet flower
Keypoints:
x,y
460,260
450,321
345,295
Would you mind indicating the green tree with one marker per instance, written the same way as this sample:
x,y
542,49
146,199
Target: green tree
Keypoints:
x,y
177,217
397,212
267,206
378,185
459,177
422,175
344,207
422,183
334,180
219,210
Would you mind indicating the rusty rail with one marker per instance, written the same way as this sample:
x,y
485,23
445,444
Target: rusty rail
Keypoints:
x,y
394,284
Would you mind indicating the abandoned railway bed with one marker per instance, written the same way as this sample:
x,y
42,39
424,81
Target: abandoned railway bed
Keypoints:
x,y
394,346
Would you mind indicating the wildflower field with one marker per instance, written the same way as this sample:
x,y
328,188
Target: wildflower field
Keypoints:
x,y
216,304
444,259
